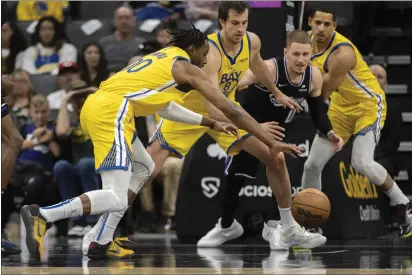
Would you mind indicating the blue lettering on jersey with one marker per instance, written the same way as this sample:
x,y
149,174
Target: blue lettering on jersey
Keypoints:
x,y
228,79
159,55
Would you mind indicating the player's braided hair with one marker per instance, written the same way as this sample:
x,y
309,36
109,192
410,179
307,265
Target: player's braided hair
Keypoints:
x,y
184,38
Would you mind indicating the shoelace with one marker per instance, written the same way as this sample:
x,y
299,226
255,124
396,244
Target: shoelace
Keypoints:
x,y
305,232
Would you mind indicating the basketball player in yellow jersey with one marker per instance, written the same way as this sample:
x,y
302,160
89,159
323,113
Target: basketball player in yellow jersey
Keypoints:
x,y
231,53
357,108
150,85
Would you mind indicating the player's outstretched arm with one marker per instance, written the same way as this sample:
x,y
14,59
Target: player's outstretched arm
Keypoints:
x,y
214,62
176,112
186,73
339,63
249,77
318,110
258,67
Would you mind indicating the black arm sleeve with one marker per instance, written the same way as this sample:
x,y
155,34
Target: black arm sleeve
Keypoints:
x,y
319,114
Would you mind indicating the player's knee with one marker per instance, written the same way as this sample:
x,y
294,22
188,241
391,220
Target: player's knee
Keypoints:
x,y
312,165
281,157
172,166
362,165
120,201
144,168
276,163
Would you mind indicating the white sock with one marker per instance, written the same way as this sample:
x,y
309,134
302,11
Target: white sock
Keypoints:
x,y
106,226
66,209
286,217
396,195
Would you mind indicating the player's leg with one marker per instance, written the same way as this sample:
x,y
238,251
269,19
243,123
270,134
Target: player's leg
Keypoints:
x,y
363,162
158,155
238,168
142,168
320,153
279,182
322,150
113,197
171,177
11,142
169,138
278,178
109,123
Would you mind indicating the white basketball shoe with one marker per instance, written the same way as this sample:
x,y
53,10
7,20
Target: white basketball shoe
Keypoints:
x,y
297,236
271,233
218,235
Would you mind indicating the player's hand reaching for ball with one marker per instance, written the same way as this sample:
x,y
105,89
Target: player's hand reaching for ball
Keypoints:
x,y
274,130
227,128
290,149
336,140
288,102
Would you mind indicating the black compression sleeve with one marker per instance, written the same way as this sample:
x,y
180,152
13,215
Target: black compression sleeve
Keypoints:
x,y
319,114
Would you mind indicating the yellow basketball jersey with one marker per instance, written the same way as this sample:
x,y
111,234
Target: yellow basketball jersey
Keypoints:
x,y
359,85
231,71
152,72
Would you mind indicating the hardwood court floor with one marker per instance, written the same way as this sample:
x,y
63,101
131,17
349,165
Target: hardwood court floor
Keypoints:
x,y
162,255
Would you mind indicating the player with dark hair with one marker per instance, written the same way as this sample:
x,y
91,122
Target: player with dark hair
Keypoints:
x,y
11,143
107,117
357,109
232,51
301,82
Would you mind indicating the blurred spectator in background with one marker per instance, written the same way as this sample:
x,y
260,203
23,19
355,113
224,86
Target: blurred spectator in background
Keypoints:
x,y
35,161
34,10
19,99
75,173
120,46
13,45
165,11
195,10
68,72
386,152
39,145
93,65
31,181
162,34
49,48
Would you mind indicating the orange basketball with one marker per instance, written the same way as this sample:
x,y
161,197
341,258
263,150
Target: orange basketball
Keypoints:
x,y
310,207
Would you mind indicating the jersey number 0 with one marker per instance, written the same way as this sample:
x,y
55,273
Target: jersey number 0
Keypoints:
x,y
138,65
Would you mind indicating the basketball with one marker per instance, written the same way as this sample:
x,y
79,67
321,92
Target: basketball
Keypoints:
x,y
310,207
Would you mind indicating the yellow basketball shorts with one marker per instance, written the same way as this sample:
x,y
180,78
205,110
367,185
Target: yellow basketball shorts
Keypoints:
x,y
108,118
179,138
109,122
357,119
